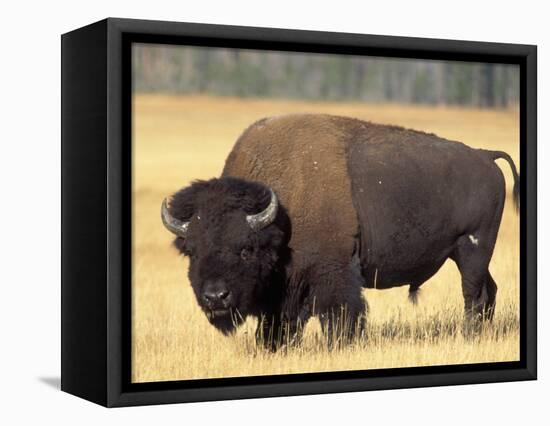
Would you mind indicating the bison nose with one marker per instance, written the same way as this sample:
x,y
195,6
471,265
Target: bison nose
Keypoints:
x,y
215,295
222,294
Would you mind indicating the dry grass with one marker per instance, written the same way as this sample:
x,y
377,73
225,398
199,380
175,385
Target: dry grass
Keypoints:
x,y
179,139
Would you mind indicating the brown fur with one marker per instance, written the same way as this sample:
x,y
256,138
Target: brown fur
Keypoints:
x,y
303,158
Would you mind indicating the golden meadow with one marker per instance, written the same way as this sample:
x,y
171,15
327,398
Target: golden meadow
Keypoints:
x,y
177,139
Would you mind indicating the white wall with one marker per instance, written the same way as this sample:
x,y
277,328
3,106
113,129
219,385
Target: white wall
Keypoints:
x,y
30,241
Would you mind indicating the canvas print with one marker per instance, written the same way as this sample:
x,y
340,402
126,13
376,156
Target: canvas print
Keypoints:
x,y
296,212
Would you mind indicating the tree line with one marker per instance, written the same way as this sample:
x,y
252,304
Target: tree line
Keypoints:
x,y
250,73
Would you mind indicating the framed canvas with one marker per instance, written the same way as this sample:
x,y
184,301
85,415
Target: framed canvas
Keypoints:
x,y
254,212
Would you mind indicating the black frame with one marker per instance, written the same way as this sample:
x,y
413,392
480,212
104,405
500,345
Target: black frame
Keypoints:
x,y
96,191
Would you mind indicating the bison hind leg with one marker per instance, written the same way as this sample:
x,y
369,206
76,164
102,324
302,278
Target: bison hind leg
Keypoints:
x,y
478,286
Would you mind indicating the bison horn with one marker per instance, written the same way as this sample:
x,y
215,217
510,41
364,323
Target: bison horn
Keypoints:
x,y
174,225
266,217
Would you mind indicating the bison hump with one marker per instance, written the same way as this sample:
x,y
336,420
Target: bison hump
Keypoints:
x,y
303,158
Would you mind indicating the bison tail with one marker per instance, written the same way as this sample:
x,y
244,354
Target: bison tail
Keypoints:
x,y
501,154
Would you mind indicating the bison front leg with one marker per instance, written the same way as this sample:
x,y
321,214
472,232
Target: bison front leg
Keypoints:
x,y
341,309
341,325
269,327
274,332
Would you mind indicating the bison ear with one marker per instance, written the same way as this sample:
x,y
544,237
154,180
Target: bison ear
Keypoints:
x,y
180,245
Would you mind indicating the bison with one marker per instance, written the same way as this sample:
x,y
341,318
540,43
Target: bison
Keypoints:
x,y
310,209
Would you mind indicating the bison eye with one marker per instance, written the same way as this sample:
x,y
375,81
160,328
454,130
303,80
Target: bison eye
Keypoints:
x,y
245,253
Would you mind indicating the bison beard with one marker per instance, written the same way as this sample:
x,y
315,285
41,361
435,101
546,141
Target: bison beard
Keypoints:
x,y
332,216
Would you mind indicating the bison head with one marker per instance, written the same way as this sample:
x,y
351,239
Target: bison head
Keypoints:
x,y
231,231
